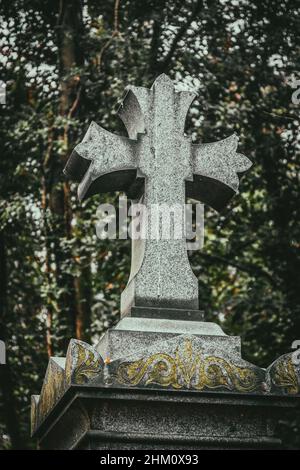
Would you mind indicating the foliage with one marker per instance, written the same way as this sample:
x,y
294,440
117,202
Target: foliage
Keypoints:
x,y
66,63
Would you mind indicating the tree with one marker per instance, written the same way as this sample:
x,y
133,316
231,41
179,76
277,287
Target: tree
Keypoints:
x,y
65,63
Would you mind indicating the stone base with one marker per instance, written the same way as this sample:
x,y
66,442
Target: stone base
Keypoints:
x,y
162,384
107,419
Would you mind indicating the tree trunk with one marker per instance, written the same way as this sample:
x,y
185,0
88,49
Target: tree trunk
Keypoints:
x,y
75,300
83,295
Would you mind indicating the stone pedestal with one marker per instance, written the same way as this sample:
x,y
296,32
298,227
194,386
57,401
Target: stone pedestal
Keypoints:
x,y
109,418
161,384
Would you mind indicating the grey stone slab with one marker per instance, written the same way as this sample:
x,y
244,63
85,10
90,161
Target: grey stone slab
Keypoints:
x,y
166,313
159,325
106,419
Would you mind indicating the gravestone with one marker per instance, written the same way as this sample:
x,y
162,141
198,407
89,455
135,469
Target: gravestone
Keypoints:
x,y
163,378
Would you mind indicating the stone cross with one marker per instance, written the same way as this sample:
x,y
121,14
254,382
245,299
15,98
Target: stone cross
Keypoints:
x,y
159,161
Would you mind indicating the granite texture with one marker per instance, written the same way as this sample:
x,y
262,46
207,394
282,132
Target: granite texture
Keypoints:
x,y
161,325
106,419
119,344
158,154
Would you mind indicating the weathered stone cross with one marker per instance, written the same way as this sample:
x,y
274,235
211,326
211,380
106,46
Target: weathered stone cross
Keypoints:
x,y
159,161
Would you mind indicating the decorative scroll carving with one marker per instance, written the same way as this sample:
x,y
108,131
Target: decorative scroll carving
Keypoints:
x,y
188,370
83,362
81,365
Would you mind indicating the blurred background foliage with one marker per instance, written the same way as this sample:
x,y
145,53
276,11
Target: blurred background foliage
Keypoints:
x,y
66,63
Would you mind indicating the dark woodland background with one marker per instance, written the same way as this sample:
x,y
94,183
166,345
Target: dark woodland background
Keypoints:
x,y
66,63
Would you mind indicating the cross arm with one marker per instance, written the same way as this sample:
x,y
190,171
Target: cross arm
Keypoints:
x,y
102,162
216,168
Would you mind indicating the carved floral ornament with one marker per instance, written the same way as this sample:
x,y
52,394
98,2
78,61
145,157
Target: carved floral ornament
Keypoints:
x,y
81,364
284,375
184,369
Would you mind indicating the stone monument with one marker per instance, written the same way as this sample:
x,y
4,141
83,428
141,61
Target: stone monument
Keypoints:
x,y
163,377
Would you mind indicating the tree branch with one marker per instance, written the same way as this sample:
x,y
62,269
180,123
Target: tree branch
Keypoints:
x,y
251,269
162,65
115,33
